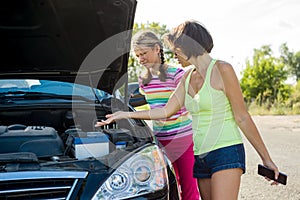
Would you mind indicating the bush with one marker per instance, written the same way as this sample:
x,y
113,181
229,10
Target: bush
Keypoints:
x,y
296,108
274,109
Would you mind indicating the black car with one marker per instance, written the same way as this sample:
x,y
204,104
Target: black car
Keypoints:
x,y
61,63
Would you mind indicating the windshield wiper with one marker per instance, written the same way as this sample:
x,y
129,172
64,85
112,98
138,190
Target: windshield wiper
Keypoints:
x,y
20,161
20,157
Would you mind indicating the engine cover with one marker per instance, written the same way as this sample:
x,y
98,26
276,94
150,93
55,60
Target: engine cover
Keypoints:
x,y
40,140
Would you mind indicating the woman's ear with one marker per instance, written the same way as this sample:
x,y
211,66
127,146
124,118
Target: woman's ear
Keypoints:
x,y
157,48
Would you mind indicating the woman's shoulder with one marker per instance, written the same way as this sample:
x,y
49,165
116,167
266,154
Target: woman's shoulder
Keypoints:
x,y
186,72
224,66
172,67
189,68
173,70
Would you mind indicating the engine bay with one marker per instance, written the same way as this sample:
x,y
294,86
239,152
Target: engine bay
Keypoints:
x,y
59,134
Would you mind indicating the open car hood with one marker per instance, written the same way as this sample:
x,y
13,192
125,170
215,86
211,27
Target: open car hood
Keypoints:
x,y
80,41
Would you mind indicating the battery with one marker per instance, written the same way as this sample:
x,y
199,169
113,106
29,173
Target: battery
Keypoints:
x,y
91,144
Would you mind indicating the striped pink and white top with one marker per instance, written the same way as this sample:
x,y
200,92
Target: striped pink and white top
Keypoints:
x,y
157,94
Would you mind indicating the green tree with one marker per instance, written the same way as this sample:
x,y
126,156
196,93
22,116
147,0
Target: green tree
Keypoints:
x,y
291,60
134,68
295,98
263,79
160,30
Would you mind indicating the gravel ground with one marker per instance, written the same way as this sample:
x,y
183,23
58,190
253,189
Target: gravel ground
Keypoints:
x,y
282,137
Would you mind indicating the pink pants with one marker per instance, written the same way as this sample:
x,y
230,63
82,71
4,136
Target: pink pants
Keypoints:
x,y
181,154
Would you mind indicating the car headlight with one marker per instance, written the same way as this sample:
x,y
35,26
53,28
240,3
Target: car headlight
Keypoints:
x,y
143,173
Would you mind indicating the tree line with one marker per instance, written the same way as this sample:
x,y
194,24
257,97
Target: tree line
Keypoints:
x,y
264,79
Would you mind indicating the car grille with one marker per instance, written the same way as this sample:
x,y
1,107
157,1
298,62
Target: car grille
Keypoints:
x,y
40,185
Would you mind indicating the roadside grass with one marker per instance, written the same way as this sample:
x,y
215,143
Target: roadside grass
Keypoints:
x,y
275,109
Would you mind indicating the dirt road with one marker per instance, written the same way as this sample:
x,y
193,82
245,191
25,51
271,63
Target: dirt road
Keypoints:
x,y
282,137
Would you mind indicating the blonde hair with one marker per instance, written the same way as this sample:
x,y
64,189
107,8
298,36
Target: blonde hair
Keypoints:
x,y
149,39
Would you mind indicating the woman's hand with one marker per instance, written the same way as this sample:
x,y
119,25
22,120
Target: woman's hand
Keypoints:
x,y
271,165
113,117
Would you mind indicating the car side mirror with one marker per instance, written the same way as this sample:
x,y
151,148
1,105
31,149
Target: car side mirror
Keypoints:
x,y
137,99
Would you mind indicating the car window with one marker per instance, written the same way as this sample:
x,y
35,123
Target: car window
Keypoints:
x,y
51,87
17,84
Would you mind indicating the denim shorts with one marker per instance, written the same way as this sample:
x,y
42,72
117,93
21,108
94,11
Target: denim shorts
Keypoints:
x,y
220,159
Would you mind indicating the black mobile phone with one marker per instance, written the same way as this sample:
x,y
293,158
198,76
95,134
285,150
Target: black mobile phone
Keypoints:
x,y
264,171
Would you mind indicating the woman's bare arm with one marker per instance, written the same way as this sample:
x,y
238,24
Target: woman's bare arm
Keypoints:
x,y
174,104
242,117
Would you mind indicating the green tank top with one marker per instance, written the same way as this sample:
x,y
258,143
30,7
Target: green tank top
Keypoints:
x,y
213,122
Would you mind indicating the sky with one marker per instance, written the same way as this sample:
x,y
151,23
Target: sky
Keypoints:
x,y
237,26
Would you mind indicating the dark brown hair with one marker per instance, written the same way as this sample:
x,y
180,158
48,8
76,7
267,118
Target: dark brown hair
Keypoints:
x,y
149,39
192,38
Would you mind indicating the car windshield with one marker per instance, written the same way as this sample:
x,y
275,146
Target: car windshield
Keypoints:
x,y
18,86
